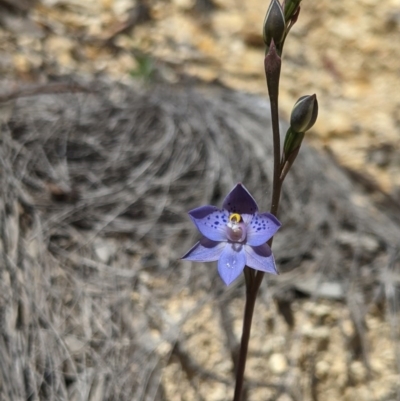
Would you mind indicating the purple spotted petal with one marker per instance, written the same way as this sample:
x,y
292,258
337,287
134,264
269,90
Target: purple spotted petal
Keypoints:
x,y
260,258
240,201
261,228
211,222
205,251
231,262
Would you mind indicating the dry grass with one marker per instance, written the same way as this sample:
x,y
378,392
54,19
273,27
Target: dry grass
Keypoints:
x,y
95,187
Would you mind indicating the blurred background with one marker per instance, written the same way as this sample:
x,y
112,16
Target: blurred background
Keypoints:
x,y
348,53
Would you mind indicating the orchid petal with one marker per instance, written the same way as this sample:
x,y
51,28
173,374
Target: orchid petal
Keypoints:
x,y
211,222
260,258
240,201
205,251
231,262
261,228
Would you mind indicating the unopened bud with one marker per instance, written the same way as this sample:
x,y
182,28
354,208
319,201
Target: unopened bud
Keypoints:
x,y
304,113
274,24
291,8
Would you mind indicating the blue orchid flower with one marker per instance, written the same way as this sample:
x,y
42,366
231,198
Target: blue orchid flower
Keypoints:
x,y
235,235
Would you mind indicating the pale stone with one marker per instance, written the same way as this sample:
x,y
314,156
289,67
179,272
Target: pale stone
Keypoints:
x,y
59,44
21,63
365,243
322,369
74,344
358,371
121,7
284,397
228,24
184,4
321,335
277,363
104,250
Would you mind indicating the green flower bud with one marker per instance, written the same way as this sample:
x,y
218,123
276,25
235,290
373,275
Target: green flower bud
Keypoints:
x,y
291,7
274,24
304,113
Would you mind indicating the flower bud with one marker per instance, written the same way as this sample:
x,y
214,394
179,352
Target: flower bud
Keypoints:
x,y
274,24
304,113
291,8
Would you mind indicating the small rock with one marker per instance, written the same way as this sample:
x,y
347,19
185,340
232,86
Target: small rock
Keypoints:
x,y
322,369
365,243
284,397
322,311
358,371
21,63
277,363
314,286
73,344
318,334
184,4
104,251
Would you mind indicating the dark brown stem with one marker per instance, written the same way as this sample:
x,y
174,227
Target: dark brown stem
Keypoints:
x,y
276,183
251,296
272,64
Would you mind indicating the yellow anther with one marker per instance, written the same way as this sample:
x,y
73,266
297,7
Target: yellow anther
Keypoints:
x,y
235,217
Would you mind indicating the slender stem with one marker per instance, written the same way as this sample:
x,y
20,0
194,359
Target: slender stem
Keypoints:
x,y
249,276
272,69
272,64
276,183
251,296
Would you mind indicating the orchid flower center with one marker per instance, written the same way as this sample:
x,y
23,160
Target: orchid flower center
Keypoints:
x,y
236,229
